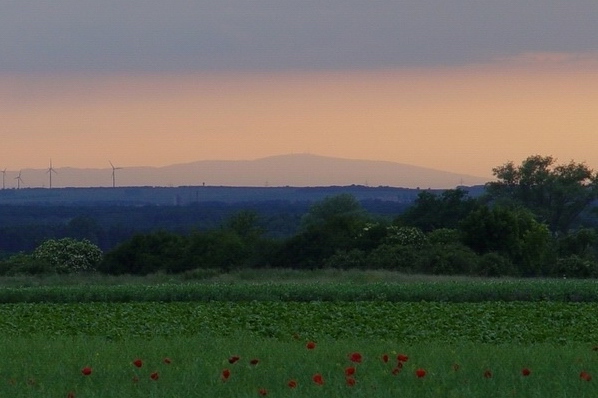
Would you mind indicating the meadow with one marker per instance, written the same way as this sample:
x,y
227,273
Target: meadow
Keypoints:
x,y
303,334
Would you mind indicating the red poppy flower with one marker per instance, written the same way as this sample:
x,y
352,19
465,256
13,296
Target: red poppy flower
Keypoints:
x,y
526,372
310,345
487,374
263,392
420,373
154,376
86,371
70,395
355,357
396,371
385,358
233,359
225,374
167,361
318,379
292,383
585,376
138,362
402,358
349,371
254,361
350,381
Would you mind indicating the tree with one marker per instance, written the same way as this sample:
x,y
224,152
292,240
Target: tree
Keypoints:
x,y
344,206
146,253
431,211
556,194
513,233
246,225
334,224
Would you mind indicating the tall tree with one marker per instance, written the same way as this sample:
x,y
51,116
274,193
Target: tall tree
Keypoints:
x,y
556,193
344,206
433,211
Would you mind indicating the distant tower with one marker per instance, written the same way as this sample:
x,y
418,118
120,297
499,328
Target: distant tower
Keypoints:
x,y
19,180
50,171
4,179
114,174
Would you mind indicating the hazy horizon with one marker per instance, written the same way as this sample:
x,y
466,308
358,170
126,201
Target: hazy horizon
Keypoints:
x,y
299,170
461,86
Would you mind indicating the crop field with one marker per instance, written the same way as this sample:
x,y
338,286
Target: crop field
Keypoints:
x,y
444,291
491,322
332,343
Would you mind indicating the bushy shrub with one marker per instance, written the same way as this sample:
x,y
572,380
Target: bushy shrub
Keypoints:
x,y
581,242
495,264
444,236
69,255
512,232
24,264
406,236
394,257
346,259
146,253
371,235
215,249
575,267
453,259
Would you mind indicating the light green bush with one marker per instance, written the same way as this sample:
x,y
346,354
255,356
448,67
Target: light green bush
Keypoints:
x,y
69,255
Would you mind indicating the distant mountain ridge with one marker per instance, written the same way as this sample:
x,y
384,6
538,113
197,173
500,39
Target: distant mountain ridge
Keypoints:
x,y
300,170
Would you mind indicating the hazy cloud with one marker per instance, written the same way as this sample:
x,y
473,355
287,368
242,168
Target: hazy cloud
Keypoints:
x,y
186,35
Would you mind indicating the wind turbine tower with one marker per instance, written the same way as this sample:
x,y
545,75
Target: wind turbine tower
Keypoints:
x,y
114,174
50,171
4,178
19,180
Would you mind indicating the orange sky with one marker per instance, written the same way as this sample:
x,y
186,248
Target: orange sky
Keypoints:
x,y
465,120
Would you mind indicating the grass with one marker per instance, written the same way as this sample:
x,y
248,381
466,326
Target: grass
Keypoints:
x,y
33,367
211,276
440,290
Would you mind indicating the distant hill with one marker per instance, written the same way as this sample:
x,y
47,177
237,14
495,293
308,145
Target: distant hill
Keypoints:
x,y
298,170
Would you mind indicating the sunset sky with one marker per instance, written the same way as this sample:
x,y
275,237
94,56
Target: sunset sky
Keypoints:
x,y
460,85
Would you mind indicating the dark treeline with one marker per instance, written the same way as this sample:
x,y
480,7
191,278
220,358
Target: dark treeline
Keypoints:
x,y
448,233
537,219
25,227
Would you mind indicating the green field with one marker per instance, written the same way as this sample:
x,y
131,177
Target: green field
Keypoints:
x,y
45,344
291,286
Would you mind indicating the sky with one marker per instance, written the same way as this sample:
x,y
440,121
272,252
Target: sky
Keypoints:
x,y
461,85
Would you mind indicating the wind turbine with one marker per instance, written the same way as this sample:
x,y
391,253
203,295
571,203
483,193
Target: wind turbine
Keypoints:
x,y
4,178
19,180
114,174
50,171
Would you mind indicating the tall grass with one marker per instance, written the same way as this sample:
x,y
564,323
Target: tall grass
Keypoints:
x,y
76,289
234,276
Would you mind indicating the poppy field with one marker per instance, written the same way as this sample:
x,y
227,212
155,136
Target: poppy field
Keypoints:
x,y
240,366
298,348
